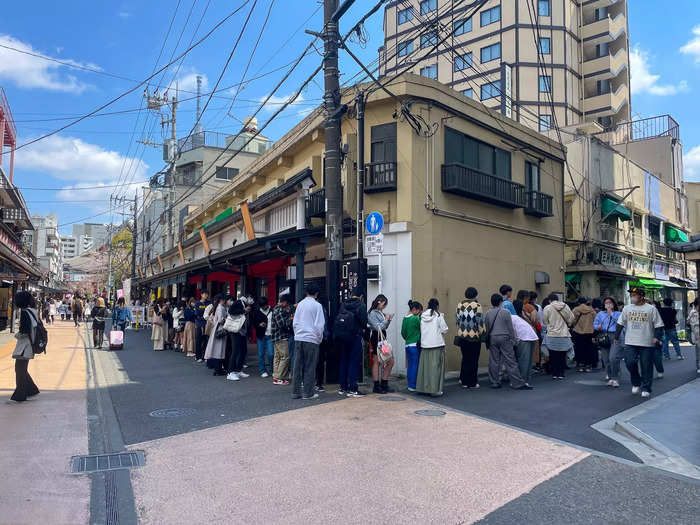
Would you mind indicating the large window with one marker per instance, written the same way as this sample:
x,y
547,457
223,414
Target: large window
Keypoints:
x,y
532,176
463,62
492,52
426,6
490,16
383,143
223,173
543,8
463,149
428,39
545,45
405,15
490,90
462,26
405,48
429,71
545,84
545,122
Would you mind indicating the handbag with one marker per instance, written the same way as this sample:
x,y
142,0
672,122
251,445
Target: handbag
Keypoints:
x,y
384,350
234,324
604,339
158,320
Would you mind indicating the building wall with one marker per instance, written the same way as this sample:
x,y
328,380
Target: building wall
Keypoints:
x,y
693,191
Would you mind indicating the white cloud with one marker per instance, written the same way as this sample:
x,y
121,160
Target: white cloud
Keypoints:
x,y
32,72
692,47
643,81
276,101
691,165
187,82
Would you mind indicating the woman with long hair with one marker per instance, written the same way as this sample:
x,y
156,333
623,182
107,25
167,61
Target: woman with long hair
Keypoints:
x,y
98,313
157,330
24,352
378,322
188,334
431,368
216,346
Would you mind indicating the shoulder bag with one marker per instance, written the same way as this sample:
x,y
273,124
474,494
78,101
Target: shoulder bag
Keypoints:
x,y
384,350
604,339
234,324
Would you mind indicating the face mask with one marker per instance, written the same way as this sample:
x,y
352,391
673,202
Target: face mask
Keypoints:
x,y
608,306
633,300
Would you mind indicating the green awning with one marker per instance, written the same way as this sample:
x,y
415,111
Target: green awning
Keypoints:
x,y
648,284
612,208
226,213
673,234
573,278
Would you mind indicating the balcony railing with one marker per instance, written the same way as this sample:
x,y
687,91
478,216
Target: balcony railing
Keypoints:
x,y
380,176
538,204
316,205
467,182
210,139
644,129
612,234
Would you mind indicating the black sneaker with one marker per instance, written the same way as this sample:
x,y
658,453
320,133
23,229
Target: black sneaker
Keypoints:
x,y
320,389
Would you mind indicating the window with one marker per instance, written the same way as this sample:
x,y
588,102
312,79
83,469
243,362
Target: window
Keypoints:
x,y
223,173
490,90
405,48
490,16
492,52
545,122
188,175
468,93
463,62
477,155
532,176
545,84
462,26
429,71
603,86
545,45
262,147
426,6
543,8
405,15
383,143
428,39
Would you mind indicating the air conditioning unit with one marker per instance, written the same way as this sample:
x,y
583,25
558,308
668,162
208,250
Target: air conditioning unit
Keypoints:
x,y
169,150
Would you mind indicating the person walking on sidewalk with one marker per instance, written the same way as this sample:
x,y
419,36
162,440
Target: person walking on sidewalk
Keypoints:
x,y
431,367
263,334
350,324
500,340
121,316
557,318
410,331
586,353
52,310
605,325
378,323
694,323
99,314
643,333
281,332
308,325
669,317
77,309
24,352
470,334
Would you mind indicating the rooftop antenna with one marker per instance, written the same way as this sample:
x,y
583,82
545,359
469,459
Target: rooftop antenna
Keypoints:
x,y
199,102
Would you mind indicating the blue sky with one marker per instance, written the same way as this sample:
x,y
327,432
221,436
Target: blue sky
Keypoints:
x,y
124,39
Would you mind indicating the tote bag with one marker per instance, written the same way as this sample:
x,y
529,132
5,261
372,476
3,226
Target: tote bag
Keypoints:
x,y
384,350
234,324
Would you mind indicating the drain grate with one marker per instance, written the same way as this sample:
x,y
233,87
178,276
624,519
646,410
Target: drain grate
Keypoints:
x,y
391,398
105,462
172,412
433,413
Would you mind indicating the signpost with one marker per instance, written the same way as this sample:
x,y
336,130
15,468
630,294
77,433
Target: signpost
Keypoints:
x,y
375,239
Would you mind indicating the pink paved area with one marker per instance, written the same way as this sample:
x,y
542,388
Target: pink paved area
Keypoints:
x,y
353,461
38,437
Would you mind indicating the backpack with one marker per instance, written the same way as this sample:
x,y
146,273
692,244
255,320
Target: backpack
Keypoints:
x,y
345,325
41,337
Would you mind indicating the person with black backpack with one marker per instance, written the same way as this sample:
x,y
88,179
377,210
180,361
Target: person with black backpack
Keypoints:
x,y
30,340
349,325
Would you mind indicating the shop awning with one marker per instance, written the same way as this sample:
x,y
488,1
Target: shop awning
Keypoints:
x,y
612,208
674,234
648,284
572,278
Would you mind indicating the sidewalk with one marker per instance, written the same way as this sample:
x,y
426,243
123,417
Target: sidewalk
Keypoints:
x,y
39,436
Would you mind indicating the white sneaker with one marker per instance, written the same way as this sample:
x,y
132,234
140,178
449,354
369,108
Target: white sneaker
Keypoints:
x,y
614,383
645,394
635,390
264,374
245,366
233,376
243,374
659,375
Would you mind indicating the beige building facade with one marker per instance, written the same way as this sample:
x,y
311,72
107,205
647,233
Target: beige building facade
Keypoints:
x,y
544,63
693,191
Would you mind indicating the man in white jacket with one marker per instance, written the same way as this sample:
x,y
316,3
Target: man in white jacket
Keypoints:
x,y
308,325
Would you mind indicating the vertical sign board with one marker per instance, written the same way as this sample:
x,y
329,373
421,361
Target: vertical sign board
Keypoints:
x,y
507,90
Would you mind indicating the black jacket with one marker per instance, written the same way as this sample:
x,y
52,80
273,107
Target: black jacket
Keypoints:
x,y
668,316
359,310
259,318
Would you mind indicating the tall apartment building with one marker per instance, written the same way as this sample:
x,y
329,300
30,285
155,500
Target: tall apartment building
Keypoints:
x,y
46,246
540,61
90,236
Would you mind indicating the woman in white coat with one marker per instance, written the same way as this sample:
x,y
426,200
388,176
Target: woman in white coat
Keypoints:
x,y
431,368
215,352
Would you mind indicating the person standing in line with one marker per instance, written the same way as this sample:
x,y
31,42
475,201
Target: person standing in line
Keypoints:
x,y
527,338
24,351
605,324
644,330
431,366
506,292
167,317
500,340
157,335
281,332
348,328
410,331
669,317
694,323
378,323
533,302
323,353
189,333
263,334
586,353
557,318
178,324
238,311
200,324
99,314
470,334
215,353
308,325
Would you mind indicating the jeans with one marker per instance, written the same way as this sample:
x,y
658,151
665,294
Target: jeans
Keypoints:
x,y
266,348
658,359
200,342
617,352
524,352
304,372
97,336
238,352
637,357
501,353
350,359
671,336
697,355
412,360
470,363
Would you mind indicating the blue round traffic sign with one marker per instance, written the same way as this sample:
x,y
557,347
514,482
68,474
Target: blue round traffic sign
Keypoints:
x,y
374,223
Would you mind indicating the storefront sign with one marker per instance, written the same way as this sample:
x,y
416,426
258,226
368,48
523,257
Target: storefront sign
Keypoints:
x,y
692,270
375,244
642,267
661,271
675,271
616,259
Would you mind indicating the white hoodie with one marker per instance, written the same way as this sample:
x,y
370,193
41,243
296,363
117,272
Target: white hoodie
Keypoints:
x,y
432,326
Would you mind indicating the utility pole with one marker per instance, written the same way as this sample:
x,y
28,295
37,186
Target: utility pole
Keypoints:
x,y
360,115
133,239
109,239
171,181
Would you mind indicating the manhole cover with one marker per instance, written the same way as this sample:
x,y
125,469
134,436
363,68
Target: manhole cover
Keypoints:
x,y
391,398
433,413
590,382
172,412
103,462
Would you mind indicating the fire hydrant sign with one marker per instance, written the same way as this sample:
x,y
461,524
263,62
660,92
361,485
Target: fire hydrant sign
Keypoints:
x,y
374,244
